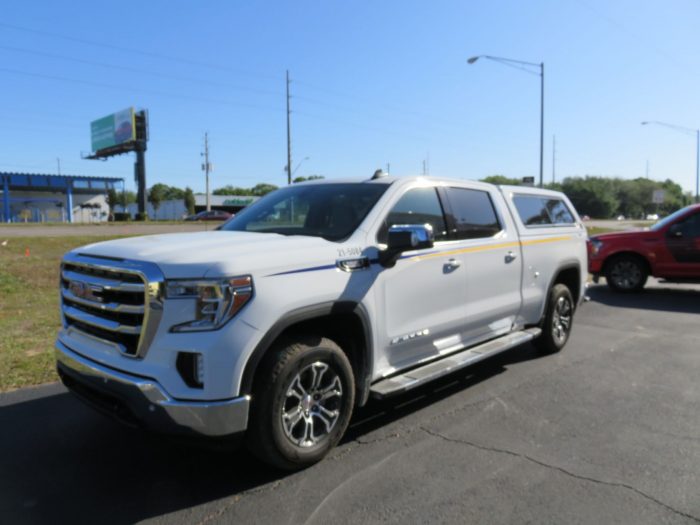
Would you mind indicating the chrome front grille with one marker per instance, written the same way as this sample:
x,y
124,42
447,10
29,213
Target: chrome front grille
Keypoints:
x,y
115,300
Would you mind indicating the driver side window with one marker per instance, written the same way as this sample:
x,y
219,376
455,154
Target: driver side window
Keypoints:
x,y
416,206
690,227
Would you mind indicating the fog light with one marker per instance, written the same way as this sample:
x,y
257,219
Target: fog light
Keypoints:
x,y
199,367
191,368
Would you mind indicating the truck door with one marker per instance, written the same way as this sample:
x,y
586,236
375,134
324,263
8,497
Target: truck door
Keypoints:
x,y
489,251
422,297
683,243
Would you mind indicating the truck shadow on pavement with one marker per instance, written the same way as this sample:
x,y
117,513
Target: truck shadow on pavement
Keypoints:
x,y
680,300
62,462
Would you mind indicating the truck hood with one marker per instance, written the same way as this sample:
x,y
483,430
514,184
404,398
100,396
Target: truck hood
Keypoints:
x,y
217,253
626,235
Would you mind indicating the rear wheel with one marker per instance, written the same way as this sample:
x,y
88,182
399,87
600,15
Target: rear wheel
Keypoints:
x,y
302,403
626,273
558,319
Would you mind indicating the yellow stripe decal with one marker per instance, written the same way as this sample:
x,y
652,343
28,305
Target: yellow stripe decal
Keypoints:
x,y
486,247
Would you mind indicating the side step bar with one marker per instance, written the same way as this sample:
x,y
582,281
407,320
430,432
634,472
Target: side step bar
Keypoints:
x,y
421,375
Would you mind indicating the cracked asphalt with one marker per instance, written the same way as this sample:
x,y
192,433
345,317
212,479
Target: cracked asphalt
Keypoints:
x,y
607,431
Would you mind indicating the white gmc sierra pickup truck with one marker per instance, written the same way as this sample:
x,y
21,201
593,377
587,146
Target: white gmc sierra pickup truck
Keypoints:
x,y
312,300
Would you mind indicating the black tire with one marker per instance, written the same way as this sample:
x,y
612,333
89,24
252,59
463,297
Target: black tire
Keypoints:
x,y
557,322
302,402
626,273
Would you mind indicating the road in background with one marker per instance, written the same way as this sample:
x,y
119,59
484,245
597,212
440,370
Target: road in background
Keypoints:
x,y
604,432
115,228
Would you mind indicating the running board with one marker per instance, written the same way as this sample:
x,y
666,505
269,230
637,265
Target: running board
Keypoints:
x,y
419,376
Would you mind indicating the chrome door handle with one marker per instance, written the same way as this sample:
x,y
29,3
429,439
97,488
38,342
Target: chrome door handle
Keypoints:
x,y
510,257
453,263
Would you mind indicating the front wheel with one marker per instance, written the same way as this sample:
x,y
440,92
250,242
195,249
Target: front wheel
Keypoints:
x,y
625,273
558,319
302,403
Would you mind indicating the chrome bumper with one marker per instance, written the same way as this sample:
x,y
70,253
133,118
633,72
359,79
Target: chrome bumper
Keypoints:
x,y
143,402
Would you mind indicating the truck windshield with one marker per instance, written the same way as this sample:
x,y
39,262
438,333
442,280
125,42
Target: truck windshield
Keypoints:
x,y
332,211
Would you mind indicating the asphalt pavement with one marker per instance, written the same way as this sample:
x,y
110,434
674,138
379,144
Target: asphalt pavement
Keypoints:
x,y
607,431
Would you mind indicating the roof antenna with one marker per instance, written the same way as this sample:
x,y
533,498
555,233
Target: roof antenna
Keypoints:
x,y
379,174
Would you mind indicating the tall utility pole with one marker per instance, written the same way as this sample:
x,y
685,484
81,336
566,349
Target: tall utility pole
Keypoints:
x,y
541,123
289,138
554,158
58,161
206,167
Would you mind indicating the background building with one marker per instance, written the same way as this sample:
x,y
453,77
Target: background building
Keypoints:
x,y
32,197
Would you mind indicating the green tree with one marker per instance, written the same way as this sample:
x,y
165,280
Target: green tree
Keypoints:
x,y
126,198
501,179
112,199
157,194
310,177
262,189
594,196
189,200
231,190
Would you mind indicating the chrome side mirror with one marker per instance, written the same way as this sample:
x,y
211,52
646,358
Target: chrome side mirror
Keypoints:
x,y
406,237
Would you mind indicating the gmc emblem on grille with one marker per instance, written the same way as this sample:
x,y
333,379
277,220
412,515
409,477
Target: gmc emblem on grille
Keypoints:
x,y
84,291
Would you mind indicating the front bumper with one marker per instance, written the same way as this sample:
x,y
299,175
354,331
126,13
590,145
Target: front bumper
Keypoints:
x,y
143,402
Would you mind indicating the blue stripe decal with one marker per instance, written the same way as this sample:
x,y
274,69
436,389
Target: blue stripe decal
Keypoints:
x,y
332,266
304,270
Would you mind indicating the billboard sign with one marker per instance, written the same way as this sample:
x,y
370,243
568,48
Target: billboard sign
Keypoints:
x,y
112,130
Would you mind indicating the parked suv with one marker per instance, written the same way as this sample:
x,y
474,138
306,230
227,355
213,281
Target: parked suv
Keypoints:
x,y
311,301
670,249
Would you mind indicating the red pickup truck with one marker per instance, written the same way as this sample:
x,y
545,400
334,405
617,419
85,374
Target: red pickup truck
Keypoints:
x,y
670,250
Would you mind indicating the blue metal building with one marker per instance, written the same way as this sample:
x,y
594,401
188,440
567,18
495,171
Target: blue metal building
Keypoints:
x,y
35,192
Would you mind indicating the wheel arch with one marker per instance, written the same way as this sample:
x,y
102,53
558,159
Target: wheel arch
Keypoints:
x,y
569,273
345,322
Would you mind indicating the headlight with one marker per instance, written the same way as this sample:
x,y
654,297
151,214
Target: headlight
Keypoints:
x,y
596,245
218,300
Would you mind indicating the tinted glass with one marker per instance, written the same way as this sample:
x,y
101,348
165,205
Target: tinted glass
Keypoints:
x,y
473,213
331,211
416,206
535,210
669,219
531,210
691,226
558,212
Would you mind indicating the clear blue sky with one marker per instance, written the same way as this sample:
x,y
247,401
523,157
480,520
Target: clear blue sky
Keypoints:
x,y
374,82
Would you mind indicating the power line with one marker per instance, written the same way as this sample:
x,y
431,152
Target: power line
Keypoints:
x,y
136,70
142,90
162,56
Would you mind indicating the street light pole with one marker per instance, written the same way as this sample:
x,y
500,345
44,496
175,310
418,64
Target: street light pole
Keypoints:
x,y
697,165
521,64
685,130
541,123
299,165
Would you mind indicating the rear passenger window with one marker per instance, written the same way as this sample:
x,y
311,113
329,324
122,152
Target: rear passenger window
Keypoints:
x,y
536,210
416,206
473,213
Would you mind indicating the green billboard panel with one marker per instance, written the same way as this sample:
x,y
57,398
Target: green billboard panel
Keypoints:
x,y
113,129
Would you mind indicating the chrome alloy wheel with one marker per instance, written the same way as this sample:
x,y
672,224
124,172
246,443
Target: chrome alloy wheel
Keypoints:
x,y
561,319
625,274
312,406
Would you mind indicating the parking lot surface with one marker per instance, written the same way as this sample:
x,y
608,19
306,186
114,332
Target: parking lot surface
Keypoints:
x,y
607,431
